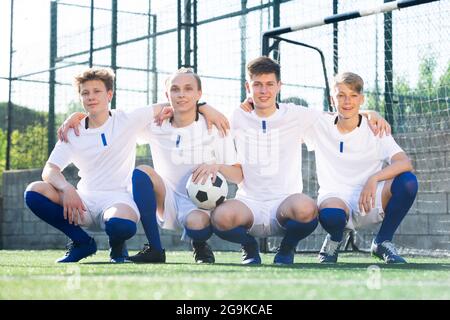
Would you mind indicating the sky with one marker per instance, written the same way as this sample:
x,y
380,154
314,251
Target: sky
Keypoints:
x,y
31,38
28,30
4,48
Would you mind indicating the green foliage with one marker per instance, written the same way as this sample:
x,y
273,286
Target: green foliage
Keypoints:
x,y
143,151
427,96
2,154
29,147
28,138
72,107
296,100
22,116
427,69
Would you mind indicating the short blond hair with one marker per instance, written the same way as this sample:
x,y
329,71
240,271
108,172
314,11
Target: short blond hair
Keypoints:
x,y
106,75
184,70
350,79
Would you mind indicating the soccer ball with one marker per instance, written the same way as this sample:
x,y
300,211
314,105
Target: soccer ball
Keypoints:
x,y
209,195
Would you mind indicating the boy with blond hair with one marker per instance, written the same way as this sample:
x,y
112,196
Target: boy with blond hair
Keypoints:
x,y
355,191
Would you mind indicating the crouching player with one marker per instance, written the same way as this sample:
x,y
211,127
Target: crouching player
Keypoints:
x,y
104,153
269,201
181,146
354,190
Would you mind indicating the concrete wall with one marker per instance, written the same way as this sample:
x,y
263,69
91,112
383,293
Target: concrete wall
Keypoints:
x,y
427,226
21,229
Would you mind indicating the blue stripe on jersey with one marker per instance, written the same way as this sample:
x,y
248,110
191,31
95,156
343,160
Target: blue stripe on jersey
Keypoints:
x,y
177,144
264,126
341,147
104,140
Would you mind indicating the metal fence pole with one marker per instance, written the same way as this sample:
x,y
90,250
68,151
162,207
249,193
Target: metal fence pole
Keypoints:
x,y
10,105
335,40
114,49
187,23
243,27
154,65
52,75
91,36
388,68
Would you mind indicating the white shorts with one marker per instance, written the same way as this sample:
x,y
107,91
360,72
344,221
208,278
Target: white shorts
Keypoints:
x,y
265,222
358,219
176,210
98,202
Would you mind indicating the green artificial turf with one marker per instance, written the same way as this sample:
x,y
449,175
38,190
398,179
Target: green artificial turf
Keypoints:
x,y
35,275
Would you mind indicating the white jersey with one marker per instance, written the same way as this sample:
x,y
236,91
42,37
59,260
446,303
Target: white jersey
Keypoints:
x,y
176,152
344,162
269,150
105,156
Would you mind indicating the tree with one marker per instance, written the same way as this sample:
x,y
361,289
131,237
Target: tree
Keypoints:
x,y
29,148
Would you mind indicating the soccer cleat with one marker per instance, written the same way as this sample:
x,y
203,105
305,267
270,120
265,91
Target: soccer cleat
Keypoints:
x,y
329,251
250,254
202,252
118,253
386,251
148,255
284,256
78,251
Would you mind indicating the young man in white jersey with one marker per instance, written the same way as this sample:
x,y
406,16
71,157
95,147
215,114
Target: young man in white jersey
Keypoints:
x,y
355,191
269,201
104,153
181,146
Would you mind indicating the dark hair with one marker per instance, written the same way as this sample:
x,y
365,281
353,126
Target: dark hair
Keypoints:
x,y
106,75
263,65
186,71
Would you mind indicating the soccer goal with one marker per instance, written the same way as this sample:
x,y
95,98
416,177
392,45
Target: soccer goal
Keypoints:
x,y
402,50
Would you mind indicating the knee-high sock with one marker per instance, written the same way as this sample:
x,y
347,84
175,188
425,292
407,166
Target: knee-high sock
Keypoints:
x,y
333,220
145,199
296,231
404,190
236,235
119,230
53,214
199,235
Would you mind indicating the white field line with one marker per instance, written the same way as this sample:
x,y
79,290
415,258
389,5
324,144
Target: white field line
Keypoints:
x,y
232,282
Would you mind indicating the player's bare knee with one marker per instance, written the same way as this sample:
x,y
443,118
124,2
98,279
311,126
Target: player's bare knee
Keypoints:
x,y
42,187
222,219
197,220
306,212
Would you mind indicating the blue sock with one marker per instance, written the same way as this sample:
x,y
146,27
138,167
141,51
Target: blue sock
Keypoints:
x,y
296,231
404,190
53,214
199,235
145,199
333,220
236,235
119,230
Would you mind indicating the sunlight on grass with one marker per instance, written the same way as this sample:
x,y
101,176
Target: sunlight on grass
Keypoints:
x,y
34,275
